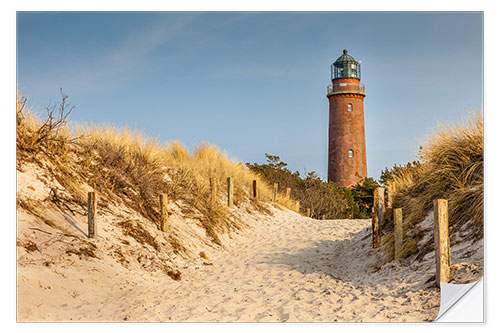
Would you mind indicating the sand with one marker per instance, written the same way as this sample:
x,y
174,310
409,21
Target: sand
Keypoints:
x,y
282,267
289,268
297,269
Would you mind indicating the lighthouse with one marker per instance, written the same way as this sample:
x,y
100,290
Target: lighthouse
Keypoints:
x,y
346,130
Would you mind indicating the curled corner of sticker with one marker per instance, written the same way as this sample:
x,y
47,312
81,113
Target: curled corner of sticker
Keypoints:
x,y
461,303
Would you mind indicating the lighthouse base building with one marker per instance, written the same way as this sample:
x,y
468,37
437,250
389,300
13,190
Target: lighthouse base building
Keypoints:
x,y
346,132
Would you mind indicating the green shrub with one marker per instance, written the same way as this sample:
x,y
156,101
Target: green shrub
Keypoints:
x,y
326,200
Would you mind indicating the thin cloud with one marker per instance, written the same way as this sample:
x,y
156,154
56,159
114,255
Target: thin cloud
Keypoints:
x,y
148,39
115,65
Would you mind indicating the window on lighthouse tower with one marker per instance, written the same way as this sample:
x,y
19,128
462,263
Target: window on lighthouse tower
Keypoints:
x,y
349,107
351,153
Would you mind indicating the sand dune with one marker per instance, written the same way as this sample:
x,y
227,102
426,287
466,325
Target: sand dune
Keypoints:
x,y
282,267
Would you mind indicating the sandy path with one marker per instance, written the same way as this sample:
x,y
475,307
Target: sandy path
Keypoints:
x,y
290,268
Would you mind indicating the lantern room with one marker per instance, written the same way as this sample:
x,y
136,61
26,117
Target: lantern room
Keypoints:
x,y
346,67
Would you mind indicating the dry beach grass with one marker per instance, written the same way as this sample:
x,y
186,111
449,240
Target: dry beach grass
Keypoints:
x,y
450,167
123,166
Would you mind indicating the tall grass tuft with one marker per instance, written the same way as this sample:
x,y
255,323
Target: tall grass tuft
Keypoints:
x,y
124,166
450,167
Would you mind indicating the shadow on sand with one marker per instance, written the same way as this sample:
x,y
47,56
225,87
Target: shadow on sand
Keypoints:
x,y
349,260
74,225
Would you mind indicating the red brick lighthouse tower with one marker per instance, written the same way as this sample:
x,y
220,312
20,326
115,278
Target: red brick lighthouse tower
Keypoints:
x,y
346,132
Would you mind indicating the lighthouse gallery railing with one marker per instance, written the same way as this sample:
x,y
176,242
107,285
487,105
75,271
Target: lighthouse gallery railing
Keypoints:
x,y
357,89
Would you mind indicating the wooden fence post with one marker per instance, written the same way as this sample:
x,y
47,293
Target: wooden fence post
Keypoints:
x,y
230,192
213,192
288,192
398,232
378,214
308,212
441,241
91,214
391,191
275,192
254,189
163,212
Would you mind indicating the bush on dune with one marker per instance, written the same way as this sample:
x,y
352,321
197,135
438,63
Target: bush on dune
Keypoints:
x,y
326,200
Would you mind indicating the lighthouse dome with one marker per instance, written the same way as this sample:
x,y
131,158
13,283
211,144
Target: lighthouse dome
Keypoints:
x,y
345,58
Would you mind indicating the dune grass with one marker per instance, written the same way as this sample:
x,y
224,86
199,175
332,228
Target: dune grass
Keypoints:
x,y
450,167
125,166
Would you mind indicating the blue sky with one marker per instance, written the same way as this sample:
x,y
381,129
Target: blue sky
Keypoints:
x,y
255,83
